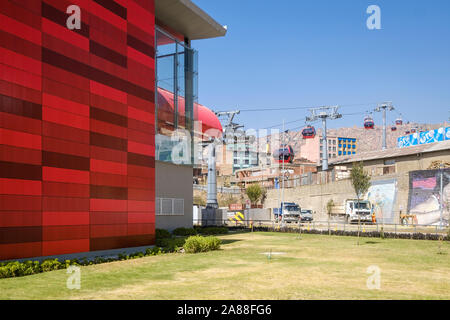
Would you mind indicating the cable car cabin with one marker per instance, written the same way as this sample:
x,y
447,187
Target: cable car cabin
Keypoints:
x,y
284,154
393,128
399,122
407,132
369,123
309,132
413,130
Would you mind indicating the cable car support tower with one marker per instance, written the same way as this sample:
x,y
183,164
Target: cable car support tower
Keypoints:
x,y
387,106
324,113
229,131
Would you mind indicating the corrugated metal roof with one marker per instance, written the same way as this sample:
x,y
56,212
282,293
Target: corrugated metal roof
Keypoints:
x,y
392,153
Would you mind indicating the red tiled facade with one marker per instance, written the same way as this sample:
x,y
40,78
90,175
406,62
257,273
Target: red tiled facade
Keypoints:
x,y
77,141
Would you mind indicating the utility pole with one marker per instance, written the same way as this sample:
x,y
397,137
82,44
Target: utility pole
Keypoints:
x,y
282,173
441,203
382,108
324,113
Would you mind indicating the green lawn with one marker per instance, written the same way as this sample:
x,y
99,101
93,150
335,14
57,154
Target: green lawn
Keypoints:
x,y
313,267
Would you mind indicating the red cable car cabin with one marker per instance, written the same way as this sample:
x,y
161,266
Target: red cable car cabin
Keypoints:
x,y
399,122
393,128
284,154
369,123
309,132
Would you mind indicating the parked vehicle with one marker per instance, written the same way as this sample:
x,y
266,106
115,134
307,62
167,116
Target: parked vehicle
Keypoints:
x,y
358,211
306,216
353,211
289,212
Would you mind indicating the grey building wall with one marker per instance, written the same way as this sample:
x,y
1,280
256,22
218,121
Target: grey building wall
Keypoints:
x,y
174,181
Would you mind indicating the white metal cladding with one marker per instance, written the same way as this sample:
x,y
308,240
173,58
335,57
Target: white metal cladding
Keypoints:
x,y
169,207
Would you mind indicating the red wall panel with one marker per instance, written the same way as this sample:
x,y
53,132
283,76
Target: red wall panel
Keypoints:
x,y
76,127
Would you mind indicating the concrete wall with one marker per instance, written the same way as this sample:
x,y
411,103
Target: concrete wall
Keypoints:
x,y
258,214
174,181
315,197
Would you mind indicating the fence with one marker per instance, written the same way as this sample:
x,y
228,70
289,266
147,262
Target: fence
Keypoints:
x,y
219,189
412,231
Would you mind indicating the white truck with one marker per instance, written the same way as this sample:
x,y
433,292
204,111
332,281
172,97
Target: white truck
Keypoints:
x,y
291,213
353,211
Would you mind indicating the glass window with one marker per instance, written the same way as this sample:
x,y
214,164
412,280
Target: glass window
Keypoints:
x,y
176,95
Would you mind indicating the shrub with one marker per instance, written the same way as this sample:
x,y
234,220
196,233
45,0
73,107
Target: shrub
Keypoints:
x,y
195,244
254,193
153,251
184,232
162,234
170,245
50,265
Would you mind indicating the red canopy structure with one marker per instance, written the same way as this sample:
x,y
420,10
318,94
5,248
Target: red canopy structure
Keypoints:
x,y
166,109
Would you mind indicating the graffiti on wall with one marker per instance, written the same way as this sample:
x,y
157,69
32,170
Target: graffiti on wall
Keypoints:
x,y
425,195
382,195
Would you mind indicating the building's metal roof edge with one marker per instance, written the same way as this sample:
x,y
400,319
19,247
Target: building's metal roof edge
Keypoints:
x,y
187,18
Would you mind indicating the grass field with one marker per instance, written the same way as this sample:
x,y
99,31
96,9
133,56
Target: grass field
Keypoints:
x,y
313,267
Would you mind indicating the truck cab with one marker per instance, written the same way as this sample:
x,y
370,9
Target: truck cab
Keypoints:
x,y
358,211
289,212
306,215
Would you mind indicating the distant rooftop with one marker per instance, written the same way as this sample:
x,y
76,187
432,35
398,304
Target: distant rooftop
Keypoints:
x,y
392,153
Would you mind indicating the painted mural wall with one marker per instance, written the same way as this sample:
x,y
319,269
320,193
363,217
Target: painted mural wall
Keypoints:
x,y
382,195
425,194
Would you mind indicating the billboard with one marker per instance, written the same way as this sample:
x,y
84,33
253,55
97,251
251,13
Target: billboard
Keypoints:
x,y
426,137
425,194
408,141
432,136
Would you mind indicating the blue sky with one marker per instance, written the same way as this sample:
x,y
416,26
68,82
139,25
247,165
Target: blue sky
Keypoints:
x,y
308,53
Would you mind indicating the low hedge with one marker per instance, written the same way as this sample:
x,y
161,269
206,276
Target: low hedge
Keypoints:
x,y
195,244
19,269
170,245
369,234
162,234
184,232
